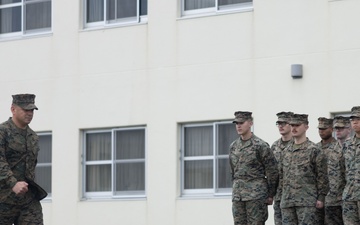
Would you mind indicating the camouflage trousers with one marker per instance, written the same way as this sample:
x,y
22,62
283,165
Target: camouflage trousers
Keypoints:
x,y
302,215
277,213
350,212
320,215
254,212
29,214
333,215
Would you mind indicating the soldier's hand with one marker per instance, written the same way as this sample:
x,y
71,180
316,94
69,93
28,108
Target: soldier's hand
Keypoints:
x,y
269,201
319,204
20,188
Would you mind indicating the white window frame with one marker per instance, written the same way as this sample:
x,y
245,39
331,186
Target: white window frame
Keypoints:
x,y
214,191
113,23
241,7
24,32
113,194
47,164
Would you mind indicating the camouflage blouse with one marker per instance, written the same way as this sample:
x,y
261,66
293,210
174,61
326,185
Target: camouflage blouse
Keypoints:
x,y
253,169
18,157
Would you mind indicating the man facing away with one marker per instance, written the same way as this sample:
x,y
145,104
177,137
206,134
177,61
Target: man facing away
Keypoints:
x,y
332,213
351,151
254,174
19,148
277,147
303,177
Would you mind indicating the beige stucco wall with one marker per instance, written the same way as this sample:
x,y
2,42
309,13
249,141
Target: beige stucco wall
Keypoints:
x,y
174,70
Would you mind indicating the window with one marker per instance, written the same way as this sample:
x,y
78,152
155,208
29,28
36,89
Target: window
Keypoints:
x,y
110,12
205,158
43,167
191,7
114,163
21,17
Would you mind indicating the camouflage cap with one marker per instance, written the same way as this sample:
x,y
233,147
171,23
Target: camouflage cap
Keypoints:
x,y
299,119
341,121
355,111
284,116
242,116
325,123
25,101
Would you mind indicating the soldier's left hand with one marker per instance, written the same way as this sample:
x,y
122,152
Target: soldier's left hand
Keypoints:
x,y
319,204
269,201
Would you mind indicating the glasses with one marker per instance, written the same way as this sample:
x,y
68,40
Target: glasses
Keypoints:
x,y
340,128
239,123
355,118
281,124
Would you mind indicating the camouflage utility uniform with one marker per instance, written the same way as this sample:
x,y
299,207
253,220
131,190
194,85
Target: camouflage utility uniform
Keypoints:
x,y
255,176
277,148
303,177
18,156
351,194
336,176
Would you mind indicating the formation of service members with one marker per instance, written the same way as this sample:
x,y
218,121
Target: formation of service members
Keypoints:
x,y
308,183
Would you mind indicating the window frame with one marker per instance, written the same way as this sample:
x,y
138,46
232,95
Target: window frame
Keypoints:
x,y
140,19
215,190
239,7
24,32
113,194
47,164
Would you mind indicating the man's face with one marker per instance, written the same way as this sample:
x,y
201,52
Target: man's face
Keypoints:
x,y
243,128
284,128
342,132
325,133
297,130
22,116
355,124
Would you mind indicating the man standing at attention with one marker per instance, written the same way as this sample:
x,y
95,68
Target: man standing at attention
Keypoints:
x,y
351,151
277,147
342,128
254,174
332,213
303,177
18,157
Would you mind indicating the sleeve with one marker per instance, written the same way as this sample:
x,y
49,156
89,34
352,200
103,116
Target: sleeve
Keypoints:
x,y
7,180
271,169
321,173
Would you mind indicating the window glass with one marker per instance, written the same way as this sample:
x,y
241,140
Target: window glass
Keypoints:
x,y
43,168
115,162
205,157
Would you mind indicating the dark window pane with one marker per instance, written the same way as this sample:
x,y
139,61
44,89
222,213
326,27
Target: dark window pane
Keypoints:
x,y
3,2
38,15
199,4
130,176
98,146
230,2
94,11
199,141
224,177
226,135
98,178
43,177
45,153
198,174
130,144
143,7
10,20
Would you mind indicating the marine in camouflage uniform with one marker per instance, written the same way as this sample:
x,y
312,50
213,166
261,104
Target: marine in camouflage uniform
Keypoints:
x,y
351,151
331,214
18,157
303,177
254,174
342,128
277,147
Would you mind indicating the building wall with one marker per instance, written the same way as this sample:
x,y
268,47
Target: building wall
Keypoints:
x,y
173,70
